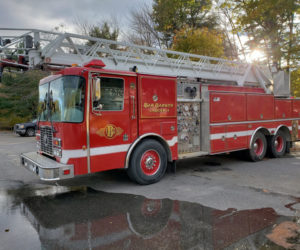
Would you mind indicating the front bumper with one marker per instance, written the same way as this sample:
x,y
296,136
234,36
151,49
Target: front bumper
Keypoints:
x,y
20,131
45,168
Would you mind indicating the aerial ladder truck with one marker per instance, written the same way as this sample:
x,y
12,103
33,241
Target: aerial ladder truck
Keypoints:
x,y
112,105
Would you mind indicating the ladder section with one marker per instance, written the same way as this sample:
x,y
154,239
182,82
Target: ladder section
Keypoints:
x,y
64,49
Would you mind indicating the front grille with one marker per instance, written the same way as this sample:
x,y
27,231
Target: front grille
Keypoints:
x,y
46,140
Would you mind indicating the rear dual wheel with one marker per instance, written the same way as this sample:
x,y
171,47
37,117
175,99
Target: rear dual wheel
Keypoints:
x,y
277,145
258,147
148,162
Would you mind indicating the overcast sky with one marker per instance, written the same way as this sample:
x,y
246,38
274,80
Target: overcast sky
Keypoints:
x,y
42,14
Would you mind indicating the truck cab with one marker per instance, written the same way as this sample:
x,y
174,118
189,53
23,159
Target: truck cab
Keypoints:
x,y
91,120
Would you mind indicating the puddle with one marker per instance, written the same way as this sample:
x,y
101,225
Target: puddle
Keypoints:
x,y
82,218
15,230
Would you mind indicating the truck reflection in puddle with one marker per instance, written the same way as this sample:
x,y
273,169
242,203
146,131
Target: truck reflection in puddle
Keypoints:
x,y
92,219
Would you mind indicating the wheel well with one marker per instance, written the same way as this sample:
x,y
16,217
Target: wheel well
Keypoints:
x,y
264,131
285,131
260,129
139,140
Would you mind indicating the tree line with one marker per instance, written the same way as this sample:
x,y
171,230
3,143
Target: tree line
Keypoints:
x,y
219,28
231,29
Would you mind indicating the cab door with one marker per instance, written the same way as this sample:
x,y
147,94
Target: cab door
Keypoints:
x,y
113,121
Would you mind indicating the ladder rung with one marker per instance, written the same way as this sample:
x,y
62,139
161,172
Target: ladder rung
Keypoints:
x,y
61,48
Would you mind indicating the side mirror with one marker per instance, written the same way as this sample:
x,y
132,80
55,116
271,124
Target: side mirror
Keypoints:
x,y
96,95
96,89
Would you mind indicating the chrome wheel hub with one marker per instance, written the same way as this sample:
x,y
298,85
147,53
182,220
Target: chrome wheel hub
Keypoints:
x,y
150,162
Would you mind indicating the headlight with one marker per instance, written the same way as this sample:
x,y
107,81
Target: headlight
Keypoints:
x,y
57,152
21,126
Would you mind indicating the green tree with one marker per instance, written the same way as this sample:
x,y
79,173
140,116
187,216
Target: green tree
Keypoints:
x,y
269,25
104,31
172,15
200,41
295,83
19,97
233,43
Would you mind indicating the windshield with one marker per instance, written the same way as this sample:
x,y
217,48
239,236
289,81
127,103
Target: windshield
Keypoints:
x,y
62,100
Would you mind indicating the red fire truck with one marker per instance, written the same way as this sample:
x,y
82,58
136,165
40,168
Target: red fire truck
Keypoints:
x,y
142,223
141,108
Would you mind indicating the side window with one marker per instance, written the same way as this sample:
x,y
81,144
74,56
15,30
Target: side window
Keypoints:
x,y
112,95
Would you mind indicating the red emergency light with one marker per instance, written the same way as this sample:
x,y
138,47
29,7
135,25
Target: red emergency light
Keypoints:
x,y
95,64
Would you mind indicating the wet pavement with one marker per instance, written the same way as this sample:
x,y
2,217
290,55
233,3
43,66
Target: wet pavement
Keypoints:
x,y
211,203
51,217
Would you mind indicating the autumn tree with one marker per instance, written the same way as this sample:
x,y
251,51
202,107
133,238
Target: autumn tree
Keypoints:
x,y
200,41
172,15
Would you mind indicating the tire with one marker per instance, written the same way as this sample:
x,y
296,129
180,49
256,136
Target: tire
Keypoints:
x,y
258,147
30,132
277,145
148,163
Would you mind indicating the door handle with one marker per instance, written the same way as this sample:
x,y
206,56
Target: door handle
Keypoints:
x,y
133,107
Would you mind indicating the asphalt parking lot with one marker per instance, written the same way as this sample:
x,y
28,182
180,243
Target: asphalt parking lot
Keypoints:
x,y
216,187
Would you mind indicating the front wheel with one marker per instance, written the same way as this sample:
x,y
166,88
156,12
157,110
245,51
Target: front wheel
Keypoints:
x,y
258,147
148,163
30,132
277,145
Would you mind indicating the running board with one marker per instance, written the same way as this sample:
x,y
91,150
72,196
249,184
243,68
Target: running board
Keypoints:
x,y
191,155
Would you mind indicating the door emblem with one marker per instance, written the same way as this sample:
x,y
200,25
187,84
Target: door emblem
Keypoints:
x,y
110,131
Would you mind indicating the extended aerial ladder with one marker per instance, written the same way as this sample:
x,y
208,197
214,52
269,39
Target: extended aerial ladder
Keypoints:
x,y
42,48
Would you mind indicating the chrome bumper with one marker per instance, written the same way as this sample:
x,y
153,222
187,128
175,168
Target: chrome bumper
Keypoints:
x,y
45,168
20,131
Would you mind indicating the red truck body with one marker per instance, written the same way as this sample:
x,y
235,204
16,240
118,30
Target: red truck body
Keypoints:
x,y
148,121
